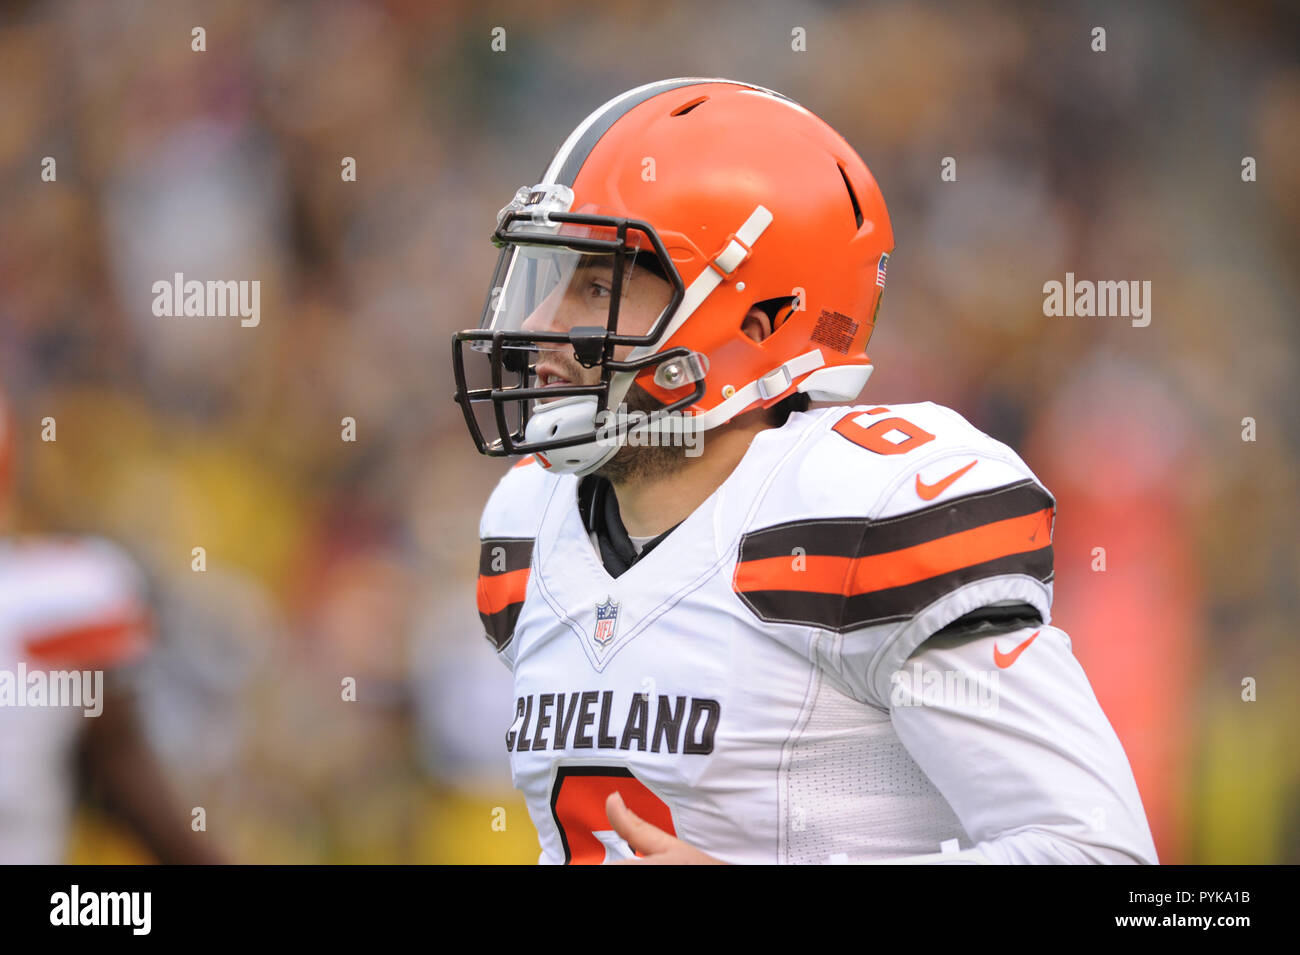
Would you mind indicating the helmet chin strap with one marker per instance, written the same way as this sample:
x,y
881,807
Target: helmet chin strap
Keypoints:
x,y
567,418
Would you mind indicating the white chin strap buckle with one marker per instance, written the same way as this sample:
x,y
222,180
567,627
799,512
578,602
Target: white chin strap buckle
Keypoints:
x,y
773,384
567,418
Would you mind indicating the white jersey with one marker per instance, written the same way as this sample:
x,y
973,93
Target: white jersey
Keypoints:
x,y
65,604
738,684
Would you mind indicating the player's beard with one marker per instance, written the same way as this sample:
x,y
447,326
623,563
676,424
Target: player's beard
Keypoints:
x,y
636,464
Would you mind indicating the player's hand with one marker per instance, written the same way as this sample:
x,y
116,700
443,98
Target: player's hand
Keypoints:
x,y
656,846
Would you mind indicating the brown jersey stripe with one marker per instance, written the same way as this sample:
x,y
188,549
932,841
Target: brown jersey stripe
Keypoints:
x,y
504,564
860,537
831,537
795,606
832,611
500,627
504,555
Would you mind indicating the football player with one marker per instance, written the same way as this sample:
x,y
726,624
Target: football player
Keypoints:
x,y
742,630
75,605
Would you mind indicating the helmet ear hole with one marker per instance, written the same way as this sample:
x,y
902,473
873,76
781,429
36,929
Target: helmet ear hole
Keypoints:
x,y
777,310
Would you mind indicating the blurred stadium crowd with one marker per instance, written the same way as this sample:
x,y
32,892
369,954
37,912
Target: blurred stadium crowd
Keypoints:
x,y
329,559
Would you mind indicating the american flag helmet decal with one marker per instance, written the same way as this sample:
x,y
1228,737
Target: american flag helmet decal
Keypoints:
x,y
880,269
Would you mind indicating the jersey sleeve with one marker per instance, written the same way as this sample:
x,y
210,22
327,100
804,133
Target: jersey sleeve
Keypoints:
x,y
507,533
915,571
905,520
1008,729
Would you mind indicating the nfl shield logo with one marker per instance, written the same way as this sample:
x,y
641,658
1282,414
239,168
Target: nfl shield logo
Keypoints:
x,y
606,621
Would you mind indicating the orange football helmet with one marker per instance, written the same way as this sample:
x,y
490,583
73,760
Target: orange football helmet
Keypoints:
x,y
735,195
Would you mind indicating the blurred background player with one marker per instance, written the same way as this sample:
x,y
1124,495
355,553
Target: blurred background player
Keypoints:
x,y
76,603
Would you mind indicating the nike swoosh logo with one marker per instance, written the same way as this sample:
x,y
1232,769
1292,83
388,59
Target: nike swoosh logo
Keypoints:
x,y
928,492
1004,660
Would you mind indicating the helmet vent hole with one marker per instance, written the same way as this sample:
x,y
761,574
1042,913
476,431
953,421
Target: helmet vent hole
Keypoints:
x,y
853,198
683,110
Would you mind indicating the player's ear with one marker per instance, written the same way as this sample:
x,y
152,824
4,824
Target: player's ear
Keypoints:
x,y
757,325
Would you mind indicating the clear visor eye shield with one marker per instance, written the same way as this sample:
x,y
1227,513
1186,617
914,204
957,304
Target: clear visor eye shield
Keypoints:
x,y
559,286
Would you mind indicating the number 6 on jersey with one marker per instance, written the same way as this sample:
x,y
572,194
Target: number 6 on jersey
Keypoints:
x,y
578,805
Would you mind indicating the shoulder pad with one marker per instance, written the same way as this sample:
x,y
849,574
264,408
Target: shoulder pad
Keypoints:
x,y
507,532
866,460
513,508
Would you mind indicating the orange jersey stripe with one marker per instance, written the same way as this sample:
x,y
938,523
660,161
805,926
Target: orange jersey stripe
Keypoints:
x,y
815,573
497,592
975,546
102,643
875,572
